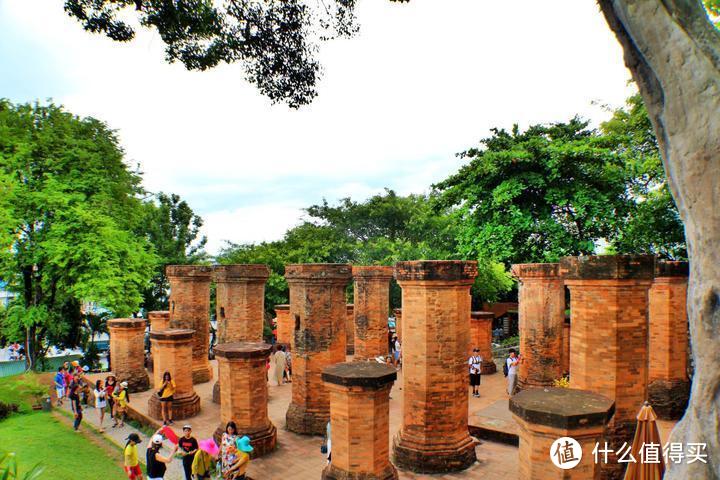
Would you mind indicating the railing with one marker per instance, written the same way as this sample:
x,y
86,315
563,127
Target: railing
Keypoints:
x,y
52,363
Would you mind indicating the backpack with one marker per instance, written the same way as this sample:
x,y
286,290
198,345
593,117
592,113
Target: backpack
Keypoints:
x,y
505,368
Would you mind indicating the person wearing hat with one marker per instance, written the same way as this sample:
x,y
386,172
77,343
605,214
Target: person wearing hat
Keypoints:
x,y
156,463
188,447
130,455
239,459
475,364
122,398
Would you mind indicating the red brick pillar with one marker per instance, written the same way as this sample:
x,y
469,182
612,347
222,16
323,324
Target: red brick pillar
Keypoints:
x,y
359,419
434,435
240,305
159,320
350,330
319,316
398,323
544,416
127,351
190,309
284,325
372,303
173,353
481,337
609,335
566,349
668,383
541,310
244,393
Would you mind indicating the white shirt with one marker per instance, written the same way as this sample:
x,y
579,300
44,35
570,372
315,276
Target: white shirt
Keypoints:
x,y
475,363
99,398
397,345
512,369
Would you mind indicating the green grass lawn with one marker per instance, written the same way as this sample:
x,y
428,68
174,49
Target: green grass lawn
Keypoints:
x,y
12,389
66,455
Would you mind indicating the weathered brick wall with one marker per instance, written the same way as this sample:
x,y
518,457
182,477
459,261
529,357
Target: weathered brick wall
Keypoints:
x,y
609,335
372,303
159,320
436,309
244,393
360,411
350,330
284,325
566,349
481,337
541,311
668,383
172,352
240,302
319,316
190,309
127,352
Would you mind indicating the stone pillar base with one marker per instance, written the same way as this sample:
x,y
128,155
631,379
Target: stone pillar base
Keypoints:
x,y
488,368
263,441
202,374
669,399
216,393
139,382
299,420
331,472
182,407
420,459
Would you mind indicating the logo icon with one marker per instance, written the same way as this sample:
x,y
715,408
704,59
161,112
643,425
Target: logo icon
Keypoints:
x,y
565,453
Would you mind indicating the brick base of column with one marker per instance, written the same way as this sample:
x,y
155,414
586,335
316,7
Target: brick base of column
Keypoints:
x,y
331,472
263,441
139,382
488,367
216,393
183,407
615,435
202,374
299,420
669,399
420,459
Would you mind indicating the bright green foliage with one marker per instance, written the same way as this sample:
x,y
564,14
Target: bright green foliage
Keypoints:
x,y
71,223
174,231
9,469
713,8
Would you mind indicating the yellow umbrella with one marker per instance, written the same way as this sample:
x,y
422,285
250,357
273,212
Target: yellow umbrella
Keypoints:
x,y
645,448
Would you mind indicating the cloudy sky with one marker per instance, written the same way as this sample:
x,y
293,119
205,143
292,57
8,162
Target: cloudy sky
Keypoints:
x,y
419,83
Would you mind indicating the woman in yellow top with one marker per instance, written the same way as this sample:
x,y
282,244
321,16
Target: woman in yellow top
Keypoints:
x,y
166,392
239,459
122,398
132,464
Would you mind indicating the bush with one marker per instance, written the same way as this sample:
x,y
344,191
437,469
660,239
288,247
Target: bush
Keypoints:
x,y
6,409
510,341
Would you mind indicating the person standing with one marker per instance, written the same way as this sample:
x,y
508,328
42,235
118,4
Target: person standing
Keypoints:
x,y
130,457
238,459
100,402
226,442
512,363
279,359
60,385
397,359
188,446
203,465
475,364
288,361
74,397
166,394
122,398
156,463
109,390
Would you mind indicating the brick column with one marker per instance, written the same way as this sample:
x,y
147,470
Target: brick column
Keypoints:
x,y
481,337
127,351
173,351
240,305
668,383
541,311
609,335
159,320
434,435
284,324
372,303
350,330
244,393
398,323
319,316
566,349
190,309
359,419
545,415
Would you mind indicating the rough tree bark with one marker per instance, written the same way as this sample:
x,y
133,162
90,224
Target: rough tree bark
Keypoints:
x,y
673,52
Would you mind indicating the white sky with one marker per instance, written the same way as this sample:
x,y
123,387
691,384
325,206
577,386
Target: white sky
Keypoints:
x,y
421,82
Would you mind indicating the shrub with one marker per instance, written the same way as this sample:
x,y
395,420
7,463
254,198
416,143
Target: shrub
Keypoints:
x,y
6,409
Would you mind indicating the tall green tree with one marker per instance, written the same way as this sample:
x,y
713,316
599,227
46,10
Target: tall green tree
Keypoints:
x,y
72,223
173,229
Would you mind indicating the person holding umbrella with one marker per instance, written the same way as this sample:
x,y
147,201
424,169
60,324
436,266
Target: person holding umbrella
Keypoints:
x,y
156,463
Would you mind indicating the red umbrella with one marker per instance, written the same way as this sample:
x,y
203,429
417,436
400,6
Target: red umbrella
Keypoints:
x,y
646,448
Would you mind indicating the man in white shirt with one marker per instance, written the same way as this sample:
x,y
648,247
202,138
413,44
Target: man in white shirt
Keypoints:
x,y
512,363
475,363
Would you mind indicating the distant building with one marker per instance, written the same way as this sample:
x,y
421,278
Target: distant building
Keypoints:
x,y
6,296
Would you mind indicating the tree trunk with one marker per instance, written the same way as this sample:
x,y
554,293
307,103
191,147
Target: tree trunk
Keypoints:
x,y
673,52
